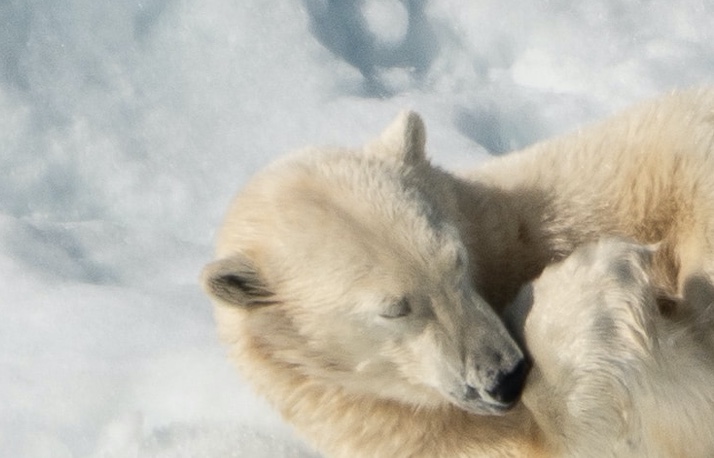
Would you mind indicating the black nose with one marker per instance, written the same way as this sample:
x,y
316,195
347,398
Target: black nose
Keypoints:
x,y
509,385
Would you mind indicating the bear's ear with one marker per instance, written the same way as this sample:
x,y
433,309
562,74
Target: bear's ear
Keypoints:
x,y
403,139
236,281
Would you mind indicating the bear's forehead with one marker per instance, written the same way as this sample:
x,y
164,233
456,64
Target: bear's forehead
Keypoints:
x,y
351,207
384,205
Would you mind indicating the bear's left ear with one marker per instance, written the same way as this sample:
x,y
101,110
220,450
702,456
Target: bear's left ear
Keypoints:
x,y
403,139
235,280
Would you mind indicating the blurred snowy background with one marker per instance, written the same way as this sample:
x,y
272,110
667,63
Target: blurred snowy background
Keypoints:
x,y
127,126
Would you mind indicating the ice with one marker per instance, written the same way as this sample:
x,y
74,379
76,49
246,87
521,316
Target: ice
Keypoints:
x,y
128,126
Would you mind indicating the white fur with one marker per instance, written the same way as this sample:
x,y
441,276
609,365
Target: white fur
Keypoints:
x,y
317,249
613,377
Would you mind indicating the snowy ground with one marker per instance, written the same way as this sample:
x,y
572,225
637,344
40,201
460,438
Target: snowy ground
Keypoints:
x,y
128,126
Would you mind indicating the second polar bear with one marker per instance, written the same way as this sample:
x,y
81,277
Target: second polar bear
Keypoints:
x,y
613,375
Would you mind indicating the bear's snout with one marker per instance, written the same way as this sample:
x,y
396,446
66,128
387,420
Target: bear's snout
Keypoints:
x,y
493,390
509,385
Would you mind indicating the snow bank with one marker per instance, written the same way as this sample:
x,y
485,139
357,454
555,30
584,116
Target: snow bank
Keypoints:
x,y
128,126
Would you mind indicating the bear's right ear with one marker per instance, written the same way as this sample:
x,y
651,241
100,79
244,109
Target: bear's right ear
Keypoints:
x,y
404,139
235,281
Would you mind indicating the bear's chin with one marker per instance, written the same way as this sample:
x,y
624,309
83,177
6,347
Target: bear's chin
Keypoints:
x,y
483,408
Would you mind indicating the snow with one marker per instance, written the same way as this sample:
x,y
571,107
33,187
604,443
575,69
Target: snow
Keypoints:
x,y
128,126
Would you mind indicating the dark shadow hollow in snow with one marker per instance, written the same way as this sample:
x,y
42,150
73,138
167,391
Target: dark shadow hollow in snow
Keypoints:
x,y
14,34
339,25
497,131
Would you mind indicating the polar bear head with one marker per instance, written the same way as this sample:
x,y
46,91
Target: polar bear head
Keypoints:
x,y
348,267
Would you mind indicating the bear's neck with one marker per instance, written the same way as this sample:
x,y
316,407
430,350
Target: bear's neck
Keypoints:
x,y
511,236
342,424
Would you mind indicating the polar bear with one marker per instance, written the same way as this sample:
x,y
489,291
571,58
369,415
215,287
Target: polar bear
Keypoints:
x,y
360,289
344,288
613,374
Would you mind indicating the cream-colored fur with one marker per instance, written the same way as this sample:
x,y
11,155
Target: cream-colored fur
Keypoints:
x,y
354,286
346,292
614,376
644,174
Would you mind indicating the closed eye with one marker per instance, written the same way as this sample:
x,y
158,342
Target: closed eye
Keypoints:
x,y
397,309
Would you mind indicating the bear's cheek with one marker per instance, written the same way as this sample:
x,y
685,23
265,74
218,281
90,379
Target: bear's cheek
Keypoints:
x,y
422,361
